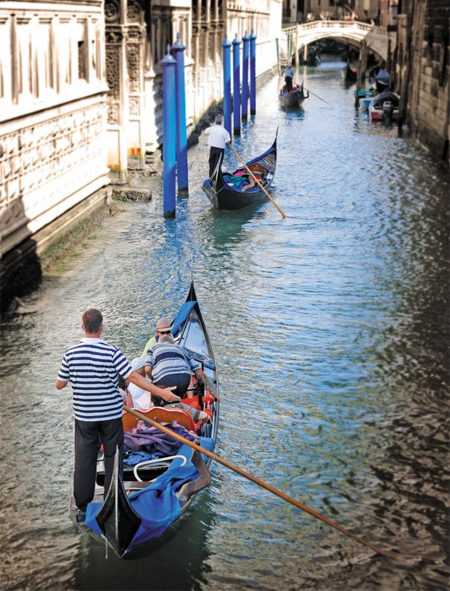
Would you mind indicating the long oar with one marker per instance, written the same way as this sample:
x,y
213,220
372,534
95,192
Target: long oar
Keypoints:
x,y
268,487
259,184
316,95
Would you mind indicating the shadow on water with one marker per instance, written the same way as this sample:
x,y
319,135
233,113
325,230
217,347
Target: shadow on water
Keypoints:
x,y
228,228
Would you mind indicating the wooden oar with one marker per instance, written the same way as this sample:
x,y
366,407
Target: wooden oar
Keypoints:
x,y
316,95
254,479
256,181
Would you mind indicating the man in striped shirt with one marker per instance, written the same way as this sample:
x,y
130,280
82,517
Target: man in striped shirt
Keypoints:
x,y
169,365
93,367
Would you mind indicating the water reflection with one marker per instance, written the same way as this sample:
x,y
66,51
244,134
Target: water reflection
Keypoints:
x,y
181,564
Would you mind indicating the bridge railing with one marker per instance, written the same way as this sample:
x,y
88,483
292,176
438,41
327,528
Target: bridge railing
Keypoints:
x,y
379,39
342,25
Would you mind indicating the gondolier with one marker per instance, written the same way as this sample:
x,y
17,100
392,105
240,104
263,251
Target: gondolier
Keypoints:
x,y
217,140
288,75
92,367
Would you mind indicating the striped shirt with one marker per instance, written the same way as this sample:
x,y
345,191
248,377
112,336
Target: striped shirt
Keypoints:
x,y
168,359
92,367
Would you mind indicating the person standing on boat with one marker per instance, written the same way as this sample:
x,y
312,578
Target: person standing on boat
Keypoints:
x,y
288,76
93,367
217,140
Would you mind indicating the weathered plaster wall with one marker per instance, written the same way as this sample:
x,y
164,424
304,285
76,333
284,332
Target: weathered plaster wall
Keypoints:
x,y
423,70
52,113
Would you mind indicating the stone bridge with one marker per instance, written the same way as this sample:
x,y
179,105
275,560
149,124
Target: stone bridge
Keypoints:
x,y
378,40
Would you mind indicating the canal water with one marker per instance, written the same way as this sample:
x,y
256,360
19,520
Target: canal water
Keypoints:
x,y
331,333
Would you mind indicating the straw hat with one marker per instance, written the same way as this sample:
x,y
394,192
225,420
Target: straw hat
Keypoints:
x,y
163,324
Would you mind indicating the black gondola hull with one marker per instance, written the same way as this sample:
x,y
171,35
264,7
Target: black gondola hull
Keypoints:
x,y
294,99
229,200
224,197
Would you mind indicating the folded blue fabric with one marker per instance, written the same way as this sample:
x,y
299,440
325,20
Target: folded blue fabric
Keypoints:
x,y
135,457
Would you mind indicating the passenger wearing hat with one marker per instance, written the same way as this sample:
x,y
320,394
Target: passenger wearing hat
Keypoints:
x,y
163,327
218,139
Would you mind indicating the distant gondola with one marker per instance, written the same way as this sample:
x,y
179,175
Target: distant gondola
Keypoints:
x,y
144,505
350,74
226,191
313,59
295,98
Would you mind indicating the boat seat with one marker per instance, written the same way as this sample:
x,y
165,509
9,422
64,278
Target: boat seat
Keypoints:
x,y
129,421
164,414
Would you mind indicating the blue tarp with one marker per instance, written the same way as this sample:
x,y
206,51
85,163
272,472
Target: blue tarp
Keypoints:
x,y
157,505
181,316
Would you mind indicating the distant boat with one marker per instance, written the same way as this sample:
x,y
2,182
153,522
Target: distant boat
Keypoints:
x,y
363,93
349,73
226,191
313,59
382,80
384,107
295,98
365,102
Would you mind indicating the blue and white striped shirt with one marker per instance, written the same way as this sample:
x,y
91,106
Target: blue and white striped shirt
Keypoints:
x,y
167,359
92,367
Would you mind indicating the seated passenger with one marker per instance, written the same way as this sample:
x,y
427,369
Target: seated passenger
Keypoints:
x,y
163,327
137,397
168,363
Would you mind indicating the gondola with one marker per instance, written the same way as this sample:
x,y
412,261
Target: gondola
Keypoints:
x,y
226,190
293,99
146,503
350,74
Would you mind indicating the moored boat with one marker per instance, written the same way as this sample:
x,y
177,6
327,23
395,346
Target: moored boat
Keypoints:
x,y
349,73
365,102
147,500
227,191
293,99
384,107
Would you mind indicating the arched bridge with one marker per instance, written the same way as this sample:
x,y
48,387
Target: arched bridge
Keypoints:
x,y
378,40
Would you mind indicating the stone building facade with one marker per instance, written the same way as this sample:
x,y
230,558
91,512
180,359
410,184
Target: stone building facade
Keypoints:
x,y
423,71
52,112
138,33
81,95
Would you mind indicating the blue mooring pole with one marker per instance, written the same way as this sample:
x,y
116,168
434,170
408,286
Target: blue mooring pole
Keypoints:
x,y
226,45
252,74
180,105
236,86
245,57
169,136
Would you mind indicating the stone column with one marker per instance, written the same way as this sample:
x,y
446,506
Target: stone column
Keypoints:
x,y
116,75
135,82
